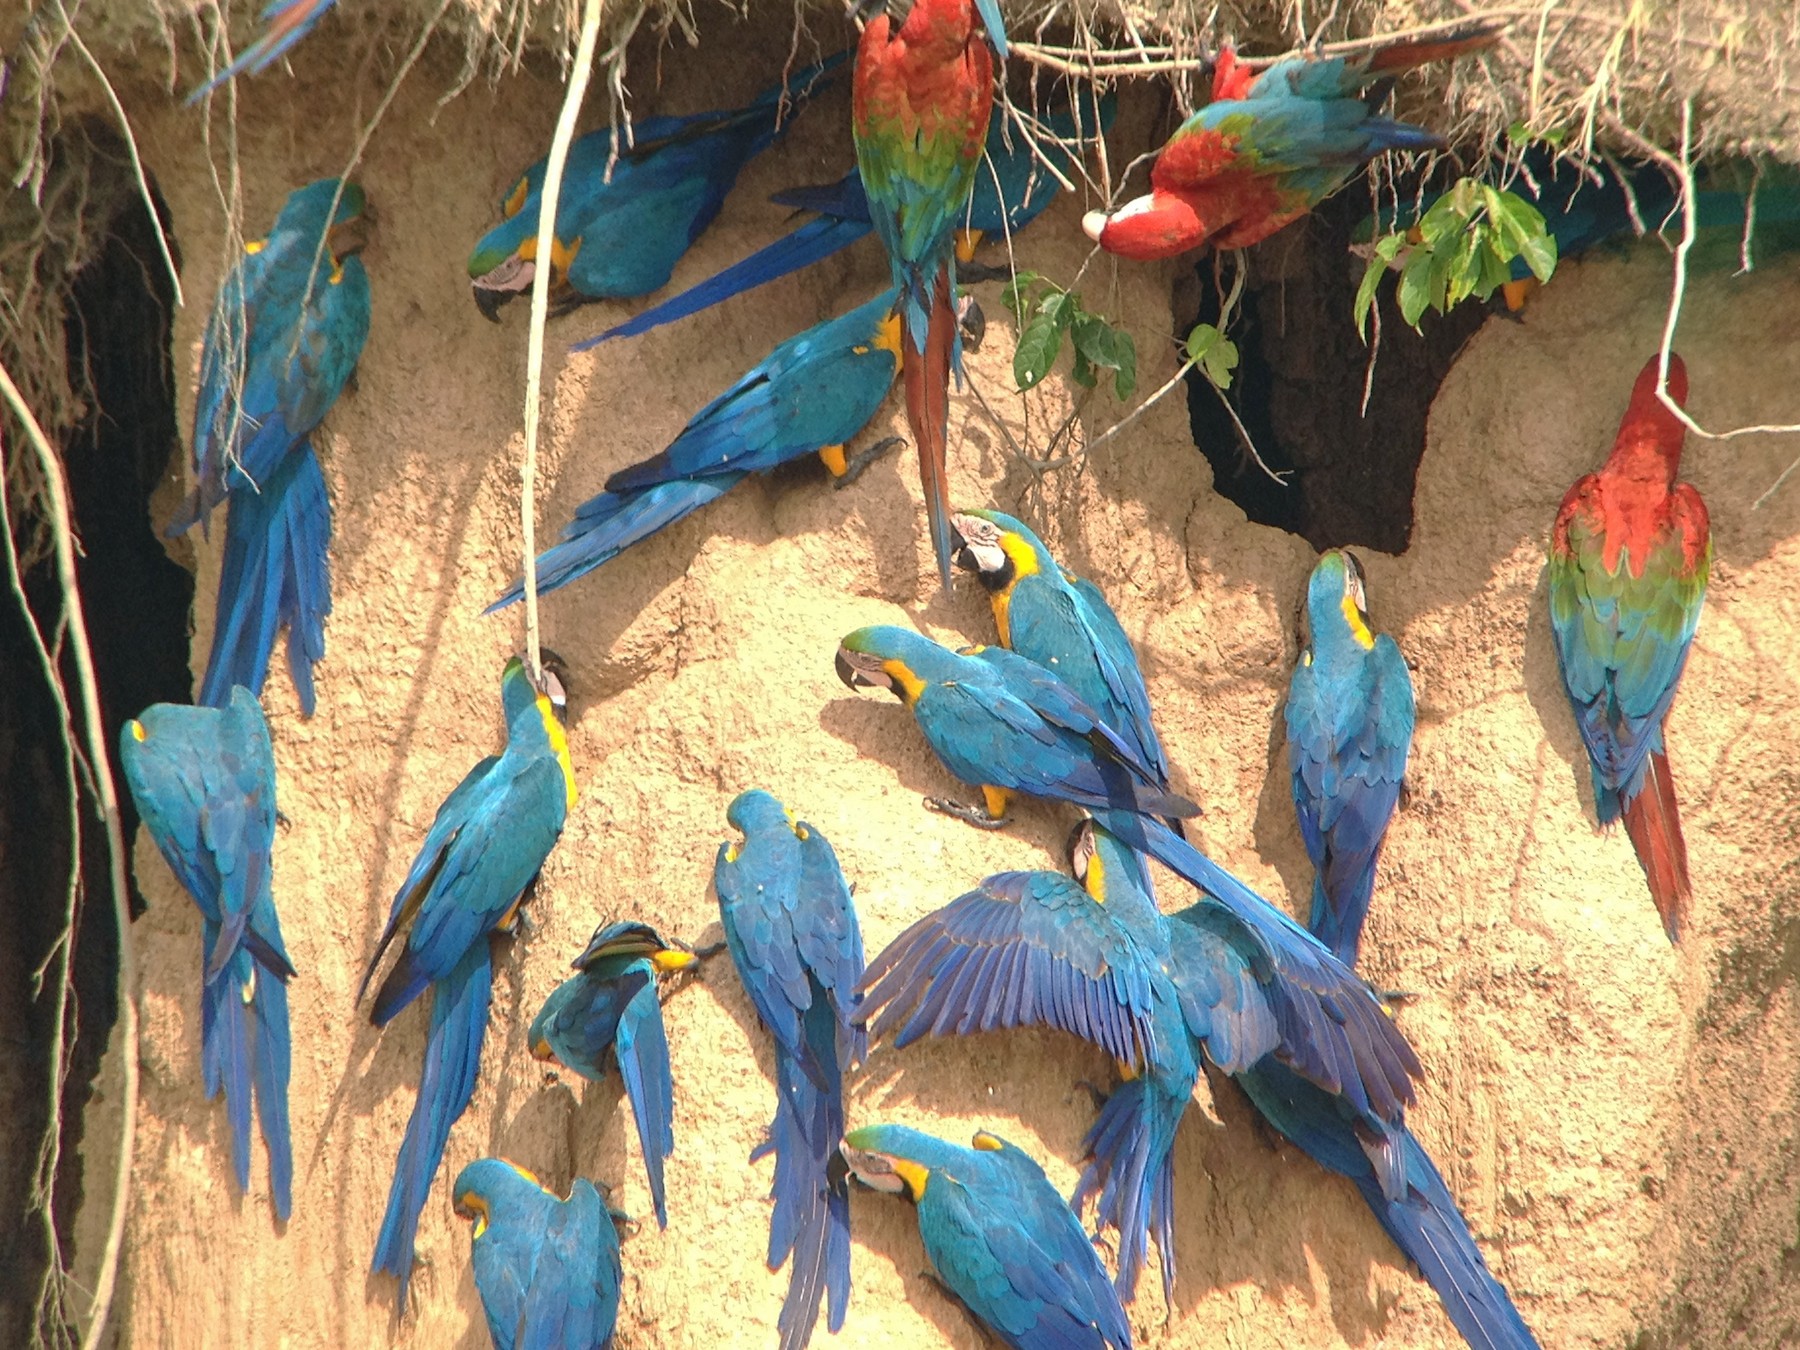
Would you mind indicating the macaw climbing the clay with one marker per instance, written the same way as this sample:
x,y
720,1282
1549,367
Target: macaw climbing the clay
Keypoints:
x,y
204,783
1349,722
998,1235
284,22
920,105
1053,617
1629,558
811,395
1012,189
547,1269
1009,726
486,845
791,928
623,221
1271,146
610,1009
283,341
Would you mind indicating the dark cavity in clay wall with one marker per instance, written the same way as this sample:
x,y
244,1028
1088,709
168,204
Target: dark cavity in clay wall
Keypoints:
x,y
137,603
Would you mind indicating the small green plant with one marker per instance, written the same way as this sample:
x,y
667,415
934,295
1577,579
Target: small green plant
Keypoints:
x,y
1047,313
1214,354
1463,245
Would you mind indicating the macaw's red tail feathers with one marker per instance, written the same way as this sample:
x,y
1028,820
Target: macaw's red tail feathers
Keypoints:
x,y
928,412
1439,46
1653,821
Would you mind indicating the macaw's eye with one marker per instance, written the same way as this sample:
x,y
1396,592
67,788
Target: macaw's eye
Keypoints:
x,y
981,550
1081,850
1354,582
875,1171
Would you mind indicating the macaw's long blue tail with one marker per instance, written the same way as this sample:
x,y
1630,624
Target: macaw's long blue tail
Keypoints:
x,y
459,1013
801,247
811,1191
642,1050
607,525
1130,1166
276,571
1415,1208
1338,914
285,22
245,1047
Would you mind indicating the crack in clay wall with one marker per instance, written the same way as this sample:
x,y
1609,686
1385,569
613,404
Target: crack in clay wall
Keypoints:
x,y
1616,1118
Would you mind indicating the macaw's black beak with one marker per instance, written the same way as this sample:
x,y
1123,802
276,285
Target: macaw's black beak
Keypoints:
x,y
350,236
490,301
972,322
849,674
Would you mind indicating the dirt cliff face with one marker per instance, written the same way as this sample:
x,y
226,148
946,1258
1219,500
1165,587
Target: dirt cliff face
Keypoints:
x,y
1616,1117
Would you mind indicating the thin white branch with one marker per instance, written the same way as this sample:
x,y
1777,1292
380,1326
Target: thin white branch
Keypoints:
x,y
100,757
540,311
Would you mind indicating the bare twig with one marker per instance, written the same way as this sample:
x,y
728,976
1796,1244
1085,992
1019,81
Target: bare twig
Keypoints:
x,y
1142,408
540,313
100,758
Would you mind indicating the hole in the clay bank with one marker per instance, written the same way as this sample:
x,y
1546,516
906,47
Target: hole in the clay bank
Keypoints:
x,y
136,602
1299,388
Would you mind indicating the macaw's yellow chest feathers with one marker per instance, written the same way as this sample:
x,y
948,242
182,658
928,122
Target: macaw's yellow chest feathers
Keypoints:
x,y
559,742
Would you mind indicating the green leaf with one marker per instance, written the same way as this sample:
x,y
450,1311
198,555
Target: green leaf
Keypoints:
x,y
1082,371
1442,219
1125,373
1040,341
1495,272
1014,297
1415,288
1517,133
1218,359
1540,256
1201,341
1365,292
1059,308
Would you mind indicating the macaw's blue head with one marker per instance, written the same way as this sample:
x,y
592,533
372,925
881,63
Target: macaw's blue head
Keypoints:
x,y
998,549
504,261
757,812
632,940
518,693
487,1188
308,212
1337,605
884,656
900,1160
155,746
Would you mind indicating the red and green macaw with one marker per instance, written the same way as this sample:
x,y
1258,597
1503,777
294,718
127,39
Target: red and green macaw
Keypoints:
x,y
1629,558
922,98
1271,146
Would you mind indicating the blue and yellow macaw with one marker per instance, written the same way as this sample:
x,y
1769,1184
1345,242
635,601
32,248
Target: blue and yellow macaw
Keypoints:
x,y
620,234
486,845
1062,622
284,22
1012,189
791,928
1010,726
611,1009
998,1235
811,395
280,346
1377,1152
204,783
1349,726
547,1269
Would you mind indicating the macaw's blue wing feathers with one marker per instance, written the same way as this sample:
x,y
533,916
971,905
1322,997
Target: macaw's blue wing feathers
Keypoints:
x,y
643,1053
1025,949
1406,1193
792,932
459,1013
271,1067
801,247
275,573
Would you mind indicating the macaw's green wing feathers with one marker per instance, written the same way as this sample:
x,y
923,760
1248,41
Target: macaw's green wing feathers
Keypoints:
x,y
1024,949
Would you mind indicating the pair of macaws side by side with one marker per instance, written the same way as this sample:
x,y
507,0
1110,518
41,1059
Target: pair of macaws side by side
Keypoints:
x,y
1630,554
204,782
1012,189
282,342
1271,146
628,211
921,100
812,395
611,1009
790,925
486,845
547,1268
999,1237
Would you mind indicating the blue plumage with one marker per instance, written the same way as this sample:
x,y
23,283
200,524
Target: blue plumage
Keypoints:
x,y
999,1237
282,343
547,1269
814,392
610,1009
1012,189
204,783
1349,723
488,841
792,932
623,221
284,22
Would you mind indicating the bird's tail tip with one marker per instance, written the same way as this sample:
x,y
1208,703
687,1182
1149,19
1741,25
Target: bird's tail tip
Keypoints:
x,y
1653,821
